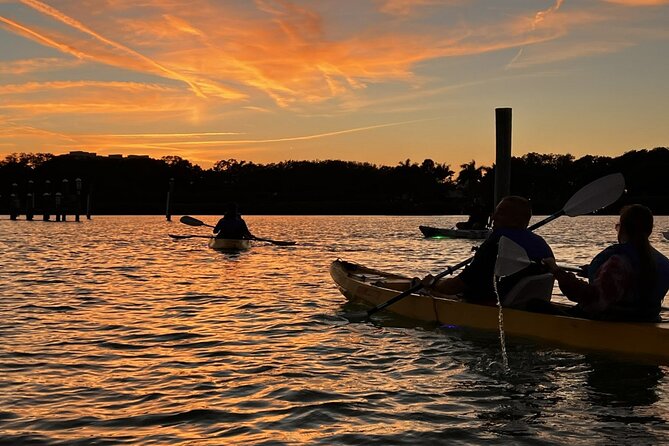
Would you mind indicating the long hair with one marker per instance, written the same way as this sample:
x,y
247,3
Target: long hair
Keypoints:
x,y
636,221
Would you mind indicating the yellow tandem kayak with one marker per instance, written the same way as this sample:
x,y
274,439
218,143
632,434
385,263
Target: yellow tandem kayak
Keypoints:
x,y
357,282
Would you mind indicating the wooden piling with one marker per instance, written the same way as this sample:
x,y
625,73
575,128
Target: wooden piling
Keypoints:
x,y
30,208
14,202
65,198
30,201
58,205
77,204
89,201
47,204
502,153
170,192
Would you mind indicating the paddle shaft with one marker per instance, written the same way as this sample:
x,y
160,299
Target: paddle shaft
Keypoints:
x,y
417,287
546,220
179,237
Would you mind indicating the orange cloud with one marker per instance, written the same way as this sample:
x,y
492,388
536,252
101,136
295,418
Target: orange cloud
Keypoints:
x,y
26,66
36,36
110,98
154,65
639,2
407,7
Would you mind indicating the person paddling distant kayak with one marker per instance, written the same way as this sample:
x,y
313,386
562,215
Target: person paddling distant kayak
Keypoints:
x,y
232,225
627,281
510,219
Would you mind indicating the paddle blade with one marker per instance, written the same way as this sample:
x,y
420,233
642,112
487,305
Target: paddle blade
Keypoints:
x,y
596,195
275,242
190,221
511,258
181,237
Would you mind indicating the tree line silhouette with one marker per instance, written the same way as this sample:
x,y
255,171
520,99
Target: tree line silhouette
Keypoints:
x,y
139,185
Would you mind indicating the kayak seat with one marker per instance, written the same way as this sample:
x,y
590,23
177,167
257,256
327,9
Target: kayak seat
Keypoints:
x,y
538,287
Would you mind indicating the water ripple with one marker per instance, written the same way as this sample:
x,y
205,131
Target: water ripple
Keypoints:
x,y
118,335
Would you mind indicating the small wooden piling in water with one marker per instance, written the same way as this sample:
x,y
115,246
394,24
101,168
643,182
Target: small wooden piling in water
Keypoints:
x,y
58,205
65,198
77,204
89,202
30,201
170,192
14,202
47,203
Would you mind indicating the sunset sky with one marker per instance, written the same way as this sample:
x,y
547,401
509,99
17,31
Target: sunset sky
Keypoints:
x,y
362,80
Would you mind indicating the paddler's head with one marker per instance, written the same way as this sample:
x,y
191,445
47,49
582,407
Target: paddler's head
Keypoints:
x,y
636,224
512,212
231,211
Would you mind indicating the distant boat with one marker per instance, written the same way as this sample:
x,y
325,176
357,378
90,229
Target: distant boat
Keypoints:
x,y
430,232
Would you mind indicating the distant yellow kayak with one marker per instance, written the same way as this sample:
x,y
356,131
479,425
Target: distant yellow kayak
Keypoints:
x,y
357,282
231,244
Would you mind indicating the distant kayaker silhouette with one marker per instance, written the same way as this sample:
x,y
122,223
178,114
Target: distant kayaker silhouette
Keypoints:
x,y
232,225
475,282
479,216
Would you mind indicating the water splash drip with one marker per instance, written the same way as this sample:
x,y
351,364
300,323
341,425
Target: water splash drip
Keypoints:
x,y
502,339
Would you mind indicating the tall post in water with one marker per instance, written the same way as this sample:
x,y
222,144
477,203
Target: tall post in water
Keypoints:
x,y
77,205
46,201
58,205
14,202
89,201
502,153
30,200
65,198
170,192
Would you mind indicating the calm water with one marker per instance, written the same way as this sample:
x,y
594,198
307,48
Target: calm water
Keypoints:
x,y
112,333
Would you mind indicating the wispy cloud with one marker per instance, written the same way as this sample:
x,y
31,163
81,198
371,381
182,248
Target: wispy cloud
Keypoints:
x,y
639,2
37,65
158,72
407,7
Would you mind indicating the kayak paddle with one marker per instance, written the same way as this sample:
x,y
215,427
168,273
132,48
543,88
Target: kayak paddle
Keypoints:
x,y
180,237
590,198
275,242
191,221
511,258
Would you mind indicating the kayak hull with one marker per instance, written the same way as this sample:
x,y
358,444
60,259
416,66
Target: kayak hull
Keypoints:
x,y
430,232
229,244
650,340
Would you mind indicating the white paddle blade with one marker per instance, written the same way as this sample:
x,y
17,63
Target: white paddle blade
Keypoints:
x,y
596,195
511,258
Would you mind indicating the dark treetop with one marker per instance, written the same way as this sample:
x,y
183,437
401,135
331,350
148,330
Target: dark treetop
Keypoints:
x,y
139,185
